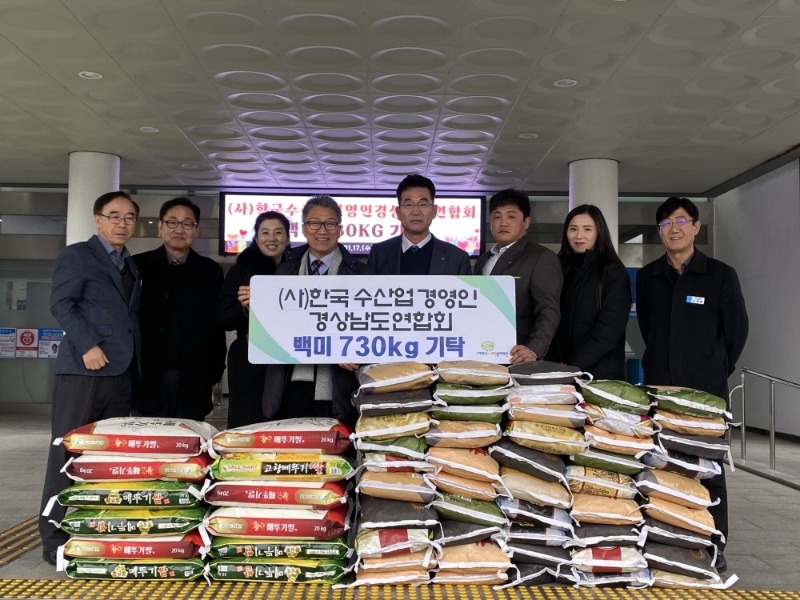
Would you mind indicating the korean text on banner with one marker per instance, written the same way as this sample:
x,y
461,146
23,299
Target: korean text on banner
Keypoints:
x,y
381,319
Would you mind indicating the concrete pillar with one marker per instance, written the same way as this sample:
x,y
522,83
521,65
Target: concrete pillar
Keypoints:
x,y
91,174
595,181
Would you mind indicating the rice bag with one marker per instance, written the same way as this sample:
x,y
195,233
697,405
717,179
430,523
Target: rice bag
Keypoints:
x,y
277,523
232,547
689,425
314,435
409,487
469,510
375,543
139,569
473,372
277,570
549,467
155,548
463,434
277,494
141,436
587,508
469,395
473,463
387,427
563,415
546,438
616,442
394,377
393,403
281,467
688,401
469,488
618,395
600,482
675,488
378,513
134,494
132,522
527,487
134,468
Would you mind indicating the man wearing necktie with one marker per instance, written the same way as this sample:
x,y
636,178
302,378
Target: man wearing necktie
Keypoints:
x,y
183,349
416,251
95,298
315,390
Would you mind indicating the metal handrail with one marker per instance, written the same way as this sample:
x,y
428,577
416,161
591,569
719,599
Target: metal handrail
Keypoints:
x,y
772,381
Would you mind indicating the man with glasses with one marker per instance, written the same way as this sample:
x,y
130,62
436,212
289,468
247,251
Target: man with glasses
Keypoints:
x,y
95,298
694,323
183,350
416,251
315,390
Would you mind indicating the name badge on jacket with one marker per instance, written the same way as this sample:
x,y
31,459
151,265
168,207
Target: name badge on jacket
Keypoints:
x,y
695,300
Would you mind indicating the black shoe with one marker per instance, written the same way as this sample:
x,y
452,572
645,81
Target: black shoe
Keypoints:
x,y
721,564
50,557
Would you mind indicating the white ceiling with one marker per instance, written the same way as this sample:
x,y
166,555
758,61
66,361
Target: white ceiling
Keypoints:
x,y
354,94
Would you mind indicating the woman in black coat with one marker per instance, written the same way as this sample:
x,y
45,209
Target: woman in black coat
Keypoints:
x,y
595,299
261,257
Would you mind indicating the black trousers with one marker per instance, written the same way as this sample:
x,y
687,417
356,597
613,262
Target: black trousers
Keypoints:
x,y
173,393
717,488
77,400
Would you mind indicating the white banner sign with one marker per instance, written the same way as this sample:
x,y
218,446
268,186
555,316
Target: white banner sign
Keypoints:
x,y
381,319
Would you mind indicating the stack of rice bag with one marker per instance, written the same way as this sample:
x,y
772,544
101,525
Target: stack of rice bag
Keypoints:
x,y
470,400
137,499
677,534
393,528
280,502
541,431
618,431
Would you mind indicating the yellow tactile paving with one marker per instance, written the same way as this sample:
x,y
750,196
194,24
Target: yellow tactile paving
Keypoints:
x,y
18,540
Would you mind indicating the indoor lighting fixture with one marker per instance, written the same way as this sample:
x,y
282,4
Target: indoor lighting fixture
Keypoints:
x,y
565,83
188,166
528,136
504,171
90,75
149,129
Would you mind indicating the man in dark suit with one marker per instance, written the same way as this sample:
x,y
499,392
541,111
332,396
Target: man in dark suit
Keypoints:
x,y
693,319
536,271
416,251
95,298
183,352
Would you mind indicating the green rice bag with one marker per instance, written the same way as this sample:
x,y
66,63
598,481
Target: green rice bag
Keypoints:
x,y
131,494
687,401
289,571
132,522
410,446
468,510
281,467
619,395
492,413
230,548
138,569
473,395
610,461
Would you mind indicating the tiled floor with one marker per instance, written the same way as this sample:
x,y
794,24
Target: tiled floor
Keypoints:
x,y
763,549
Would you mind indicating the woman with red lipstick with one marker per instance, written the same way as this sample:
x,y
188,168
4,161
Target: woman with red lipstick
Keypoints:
x,y
261,257
595,299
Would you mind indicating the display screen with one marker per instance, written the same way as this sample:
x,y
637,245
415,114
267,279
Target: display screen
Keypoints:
x,y
366,220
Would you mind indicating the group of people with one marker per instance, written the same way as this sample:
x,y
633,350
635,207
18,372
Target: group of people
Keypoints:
x,y
145,334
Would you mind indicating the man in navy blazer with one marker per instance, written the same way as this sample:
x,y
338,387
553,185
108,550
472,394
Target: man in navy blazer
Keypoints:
x,y
416,251
95,299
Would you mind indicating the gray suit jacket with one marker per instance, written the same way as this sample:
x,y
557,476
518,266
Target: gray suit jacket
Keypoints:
x,y
447,259
537,285
88,301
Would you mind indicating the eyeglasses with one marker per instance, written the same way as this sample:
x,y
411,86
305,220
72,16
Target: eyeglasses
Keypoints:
x,y
316,225
117,219
420,205
680,223
173,224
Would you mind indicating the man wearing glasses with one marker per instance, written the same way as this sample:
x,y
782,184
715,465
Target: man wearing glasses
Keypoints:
x,y
416,251
95,298
315,390
694,323
183,350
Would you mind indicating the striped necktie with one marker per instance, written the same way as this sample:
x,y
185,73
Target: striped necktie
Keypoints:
x,y
316,265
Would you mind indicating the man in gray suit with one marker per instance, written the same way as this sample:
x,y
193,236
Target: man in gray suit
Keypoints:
x,y
95,299
416,251
536,271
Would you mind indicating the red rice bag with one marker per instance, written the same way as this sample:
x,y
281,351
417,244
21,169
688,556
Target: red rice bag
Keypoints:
x,y
277,494
130,468
141,436
186,546
321,435
278,523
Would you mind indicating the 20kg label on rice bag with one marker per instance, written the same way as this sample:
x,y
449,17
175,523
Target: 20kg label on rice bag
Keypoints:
x,y
131,468
228,547
161,548
101,568
132,522
145,494
281,467
290,571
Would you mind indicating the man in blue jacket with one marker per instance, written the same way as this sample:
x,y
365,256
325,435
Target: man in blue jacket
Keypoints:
x,y
694,323
95,299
